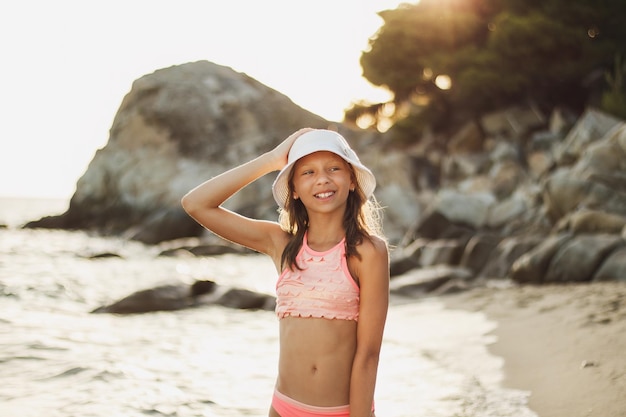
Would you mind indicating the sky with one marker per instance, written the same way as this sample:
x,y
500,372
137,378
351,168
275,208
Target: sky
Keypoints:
x,y
67,64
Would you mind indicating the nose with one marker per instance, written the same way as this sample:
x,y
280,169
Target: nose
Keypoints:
x,y
322,178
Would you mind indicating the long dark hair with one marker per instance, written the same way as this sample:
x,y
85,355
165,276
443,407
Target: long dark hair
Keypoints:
x,y
361,220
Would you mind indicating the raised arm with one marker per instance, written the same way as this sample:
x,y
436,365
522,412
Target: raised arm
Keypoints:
x,y
204,203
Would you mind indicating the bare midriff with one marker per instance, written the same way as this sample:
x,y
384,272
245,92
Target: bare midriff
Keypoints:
x,y
315,363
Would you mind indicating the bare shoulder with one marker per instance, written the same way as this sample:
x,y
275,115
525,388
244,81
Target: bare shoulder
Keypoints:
x,y
374,247
373,260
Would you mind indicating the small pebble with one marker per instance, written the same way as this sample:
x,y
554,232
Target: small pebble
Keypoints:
x,y
587,364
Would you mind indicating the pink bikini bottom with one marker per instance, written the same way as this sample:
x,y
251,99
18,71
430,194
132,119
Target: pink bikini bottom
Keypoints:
x,y
288,407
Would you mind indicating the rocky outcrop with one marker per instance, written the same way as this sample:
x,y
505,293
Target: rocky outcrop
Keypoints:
x,y
180,296
176,128
545,206
515,194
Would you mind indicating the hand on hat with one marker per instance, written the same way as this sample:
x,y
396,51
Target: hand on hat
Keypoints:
x,y
281,152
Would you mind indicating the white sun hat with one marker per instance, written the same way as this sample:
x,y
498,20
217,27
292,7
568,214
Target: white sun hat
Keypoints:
x,y
322,140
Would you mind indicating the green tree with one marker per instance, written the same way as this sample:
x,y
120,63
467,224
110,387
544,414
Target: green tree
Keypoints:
x,y
494,52
614,99
419,43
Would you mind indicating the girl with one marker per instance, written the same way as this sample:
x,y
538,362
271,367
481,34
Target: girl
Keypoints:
x,y
333,288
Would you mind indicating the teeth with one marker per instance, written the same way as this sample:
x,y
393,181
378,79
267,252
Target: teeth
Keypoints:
x,y
324,195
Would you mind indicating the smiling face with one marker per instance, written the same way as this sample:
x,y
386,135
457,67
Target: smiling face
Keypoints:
x,y
322,181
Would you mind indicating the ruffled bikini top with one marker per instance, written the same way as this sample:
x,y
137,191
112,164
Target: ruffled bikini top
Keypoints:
x,y
322,288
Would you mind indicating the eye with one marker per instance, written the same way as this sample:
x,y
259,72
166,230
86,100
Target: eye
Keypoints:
x,y
333,169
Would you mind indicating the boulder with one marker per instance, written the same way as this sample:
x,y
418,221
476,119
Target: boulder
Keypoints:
x,y
592,125
244,299
613,268
478,250
532,266
586,221
505,254
435,225
427,280
406,258
162,298
442,252
176,128
579,258
468,209
173,297
504,211
540,163
564,192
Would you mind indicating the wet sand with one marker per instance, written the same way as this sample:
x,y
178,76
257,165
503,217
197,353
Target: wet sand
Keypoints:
x,y
565,344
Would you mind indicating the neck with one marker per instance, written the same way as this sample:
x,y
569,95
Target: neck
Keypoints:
x,y
325,228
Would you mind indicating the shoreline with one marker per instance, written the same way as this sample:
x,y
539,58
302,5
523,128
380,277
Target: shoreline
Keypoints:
x,y
565,344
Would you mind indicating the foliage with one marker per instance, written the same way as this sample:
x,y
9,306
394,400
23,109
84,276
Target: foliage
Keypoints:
x,y
614,99
495,52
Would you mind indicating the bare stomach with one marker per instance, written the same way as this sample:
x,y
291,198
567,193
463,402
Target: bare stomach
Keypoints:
x,y
315,361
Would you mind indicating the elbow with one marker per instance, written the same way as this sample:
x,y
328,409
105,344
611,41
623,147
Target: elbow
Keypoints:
x,y
368,358
185,202
189,204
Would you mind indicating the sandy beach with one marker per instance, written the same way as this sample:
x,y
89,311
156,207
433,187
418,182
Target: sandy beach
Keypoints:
x,y
565,344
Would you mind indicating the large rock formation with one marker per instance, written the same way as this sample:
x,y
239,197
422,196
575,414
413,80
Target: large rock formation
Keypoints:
x,y
174,129
518,193
178,296
544,205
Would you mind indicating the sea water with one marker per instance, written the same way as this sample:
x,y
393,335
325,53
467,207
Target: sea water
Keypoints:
x,y
59,360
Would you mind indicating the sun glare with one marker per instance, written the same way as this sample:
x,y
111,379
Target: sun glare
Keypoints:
x,y
444,82
308,52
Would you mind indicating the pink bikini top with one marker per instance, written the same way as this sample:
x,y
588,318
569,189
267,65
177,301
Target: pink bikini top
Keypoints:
x,y
323,288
